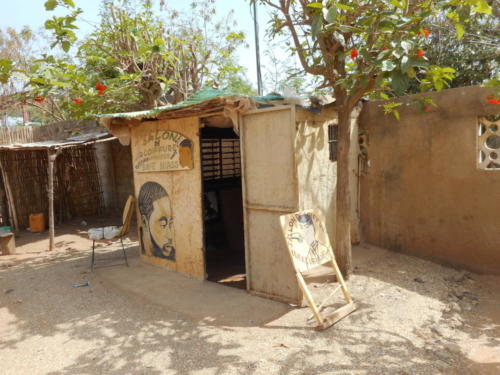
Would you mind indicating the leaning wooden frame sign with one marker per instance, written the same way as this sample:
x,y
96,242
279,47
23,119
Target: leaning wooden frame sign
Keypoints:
x,y
309,247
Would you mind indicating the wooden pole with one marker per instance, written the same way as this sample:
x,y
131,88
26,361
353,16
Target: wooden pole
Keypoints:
x,y
10,200
52,156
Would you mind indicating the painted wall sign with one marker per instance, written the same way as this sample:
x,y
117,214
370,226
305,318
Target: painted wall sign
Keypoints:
x,y
163,150
307,240
157,223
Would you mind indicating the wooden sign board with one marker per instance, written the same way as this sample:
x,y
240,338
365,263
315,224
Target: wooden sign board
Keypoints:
x,y
307,240
163,150
309,246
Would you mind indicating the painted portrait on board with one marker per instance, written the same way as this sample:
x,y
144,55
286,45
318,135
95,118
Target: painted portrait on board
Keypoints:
x,y
306,240
157,229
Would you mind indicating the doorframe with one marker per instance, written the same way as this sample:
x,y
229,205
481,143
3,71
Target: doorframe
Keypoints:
x,y
201,126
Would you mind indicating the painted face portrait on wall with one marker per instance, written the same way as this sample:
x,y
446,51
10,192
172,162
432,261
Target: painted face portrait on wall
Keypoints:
x,y
157,221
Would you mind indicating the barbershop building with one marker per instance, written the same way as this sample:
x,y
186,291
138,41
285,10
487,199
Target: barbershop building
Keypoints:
x,y
212,175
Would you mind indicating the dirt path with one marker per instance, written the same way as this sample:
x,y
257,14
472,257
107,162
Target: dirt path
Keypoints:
x,y
414,317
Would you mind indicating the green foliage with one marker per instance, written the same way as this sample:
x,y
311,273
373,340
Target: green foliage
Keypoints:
x,y
17,48
282,73
206,50
475,57
6,67
237,83
494,84
63,27
390,108
134,59
368,47
437,77
365,48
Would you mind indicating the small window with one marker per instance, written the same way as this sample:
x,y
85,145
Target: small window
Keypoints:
x,y
488,143
333,136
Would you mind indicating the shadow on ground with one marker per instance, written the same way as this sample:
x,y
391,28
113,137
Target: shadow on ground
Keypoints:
x,y
122,324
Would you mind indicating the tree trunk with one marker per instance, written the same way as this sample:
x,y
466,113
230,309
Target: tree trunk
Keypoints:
x,y
343,221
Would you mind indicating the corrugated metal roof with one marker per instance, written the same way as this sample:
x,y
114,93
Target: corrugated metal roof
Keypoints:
x,y
201,96
72,141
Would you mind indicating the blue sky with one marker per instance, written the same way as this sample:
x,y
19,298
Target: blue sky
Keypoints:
x,y
18,13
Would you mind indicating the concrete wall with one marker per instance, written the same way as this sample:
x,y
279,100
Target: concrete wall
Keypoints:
x,y
422,193
317,174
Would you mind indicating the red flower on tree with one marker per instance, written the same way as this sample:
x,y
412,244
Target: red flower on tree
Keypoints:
x,y
425,32
78,101
493,101
100,92
39,99
354,53
100,87
420,53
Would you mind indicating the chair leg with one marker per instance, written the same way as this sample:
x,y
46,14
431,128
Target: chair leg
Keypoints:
x,y
92,262
124,253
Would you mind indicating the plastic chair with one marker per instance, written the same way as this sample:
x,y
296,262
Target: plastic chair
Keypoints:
x,y
114,232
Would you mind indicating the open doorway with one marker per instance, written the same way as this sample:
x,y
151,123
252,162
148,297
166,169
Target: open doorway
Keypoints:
x,y
223,206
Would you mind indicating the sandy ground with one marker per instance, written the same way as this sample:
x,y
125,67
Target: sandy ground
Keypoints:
x,y
414,317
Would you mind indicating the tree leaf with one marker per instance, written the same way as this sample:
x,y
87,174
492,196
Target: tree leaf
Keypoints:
x,y
65,46
386,25
407,46
332,14
460,30
411,73
316,25
50,4
388,66
482,6
397,53
347,28
6,66
454,16
413,61
316,5
396,3
49,24
399,82
344,7
405,63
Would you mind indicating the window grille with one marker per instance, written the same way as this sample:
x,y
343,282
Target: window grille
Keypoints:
x,y
488,143
220,159
333,131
